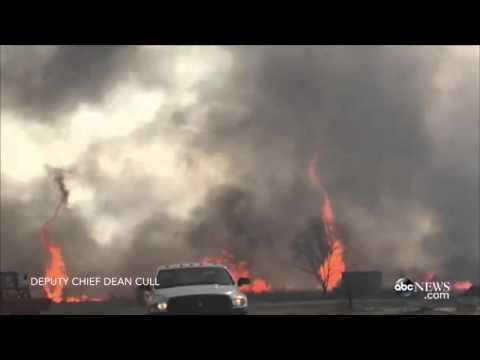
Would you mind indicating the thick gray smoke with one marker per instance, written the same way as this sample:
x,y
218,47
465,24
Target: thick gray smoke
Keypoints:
x,y
366,110
397,144
47,82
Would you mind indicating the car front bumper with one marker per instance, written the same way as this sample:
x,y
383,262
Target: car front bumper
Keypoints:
x,y
233,311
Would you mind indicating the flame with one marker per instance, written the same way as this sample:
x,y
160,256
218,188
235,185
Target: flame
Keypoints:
x,y
55,271
82,298
459,286
260,286
239,270
333,267
462,285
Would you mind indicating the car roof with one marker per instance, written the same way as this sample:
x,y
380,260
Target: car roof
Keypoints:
x,y
189,265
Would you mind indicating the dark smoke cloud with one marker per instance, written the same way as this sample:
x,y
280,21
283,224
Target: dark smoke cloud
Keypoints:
x,y
365,110
45,83
156,240
21,221
229,221
20,245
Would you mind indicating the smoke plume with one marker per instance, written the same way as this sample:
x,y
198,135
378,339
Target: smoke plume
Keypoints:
x,y
185,152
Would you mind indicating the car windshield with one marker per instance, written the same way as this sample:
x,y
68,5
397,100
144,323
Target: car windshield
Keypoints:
x,y
193,276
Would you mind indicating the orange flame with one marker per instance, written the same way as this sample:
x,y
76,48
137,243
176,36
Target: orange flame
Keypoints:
x,y
82,298
462,285
459,286
333,267
259,286
239,270
55,271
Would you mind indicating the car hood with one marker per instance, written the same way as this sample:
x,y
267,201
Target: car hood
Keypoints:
x,y
196,290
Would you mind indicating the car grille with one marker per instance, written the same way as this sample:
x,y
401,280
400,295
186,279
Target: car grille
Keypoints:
x,y
200,304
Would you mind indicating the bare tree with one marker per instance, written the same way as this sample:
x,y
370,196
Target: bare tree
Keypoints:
x,y
310,251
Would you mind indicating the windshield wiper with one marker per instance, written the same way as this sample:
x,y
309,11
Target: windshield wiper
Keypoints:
x,y
207,283
193,284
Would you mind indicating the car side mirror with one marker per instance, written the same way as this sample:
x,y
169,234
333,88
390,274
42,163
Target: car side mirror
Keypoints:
x,y
243,281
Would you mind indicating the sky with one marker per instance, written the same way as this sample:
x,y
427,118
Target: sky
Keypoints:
x,y
178,152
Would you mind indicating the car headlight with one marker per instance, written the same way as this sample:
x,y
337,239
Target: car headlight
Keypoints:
x,y
162,306
239,301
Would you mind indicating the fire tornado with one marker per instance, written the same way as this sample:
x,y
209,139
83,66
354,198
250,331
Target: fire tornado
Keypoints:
x,y
333,266
56,269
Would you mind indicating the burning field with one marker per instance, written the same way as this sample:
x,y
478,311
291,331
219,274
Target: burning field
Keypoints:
x,y
328,271
290,165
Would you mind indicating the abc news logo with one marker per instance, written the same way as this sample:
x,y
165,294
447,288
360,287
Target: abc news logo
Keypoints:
x,y
404,287
434,290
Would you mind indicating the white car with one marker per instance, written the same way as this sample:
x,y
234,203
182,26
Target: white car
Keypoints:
x,y
196,289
